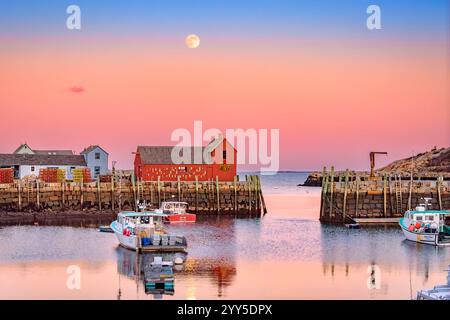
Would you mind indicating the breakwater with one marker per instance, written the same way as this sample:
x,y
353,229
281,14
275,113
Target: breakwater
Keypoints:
x,y
203,197
346,197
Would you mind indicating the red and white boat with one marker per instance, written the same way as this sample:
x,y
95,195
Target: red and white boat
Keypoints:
x,y
175,212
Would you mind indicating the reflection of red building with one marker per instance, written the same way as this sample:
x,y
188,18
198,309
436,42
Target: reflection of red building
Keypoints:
x,y
217,159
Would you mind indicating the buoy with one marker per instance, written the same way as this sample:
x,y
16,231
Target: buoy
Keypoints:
x,y
178,260
418,225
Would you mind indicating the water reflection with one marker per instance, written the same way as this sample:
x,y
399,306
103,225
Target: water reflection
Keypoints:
x,y
219,271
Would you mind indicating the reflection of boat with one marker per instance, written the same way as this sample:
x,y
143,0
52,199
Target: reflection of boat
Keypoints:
x,y
427,226
144,231
175,212
441,292
158,277
155,271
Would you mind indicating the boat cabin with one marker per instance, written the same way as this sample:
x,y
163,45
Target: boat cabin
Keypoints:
x,y
174,207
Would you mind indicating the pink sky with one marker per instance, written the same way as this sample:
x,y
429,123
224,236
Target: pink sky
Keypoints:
x,y
333,101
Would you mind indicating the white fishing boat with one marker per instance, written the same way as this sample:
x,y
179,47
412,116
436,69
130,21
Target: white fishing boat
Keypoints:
x,y
427,226
144,232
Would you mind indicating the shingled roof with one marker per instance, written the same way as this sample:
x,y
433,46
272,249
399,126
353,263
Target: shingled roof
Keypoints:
x,y
92,148
41,159
163,154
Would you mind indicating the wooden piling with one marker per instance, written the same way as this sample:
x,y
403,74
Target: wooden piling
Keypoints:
x,y
235,194
81,193
330,214
438,186
218,196
159,191
358,181
120,192
385,195
133,184
99,197
112,193
263,202
196,194
19,188
179,188
38,195
63,190
323,194
344,209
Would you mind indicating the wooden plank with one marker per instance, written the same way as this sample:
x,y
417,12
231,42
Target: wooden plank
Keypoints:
x,y
376,220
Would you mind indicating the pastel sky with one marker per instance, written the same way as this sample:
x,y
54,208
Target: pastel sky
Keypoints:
x,y
311,69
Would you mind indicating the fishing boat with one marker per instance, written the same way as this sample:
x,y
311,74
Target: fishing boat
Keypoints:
x,y
427,226
144,232
440,292
176,212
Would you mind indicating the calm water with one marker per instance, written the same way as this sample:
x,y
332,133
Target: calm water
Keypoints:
x,y
285,255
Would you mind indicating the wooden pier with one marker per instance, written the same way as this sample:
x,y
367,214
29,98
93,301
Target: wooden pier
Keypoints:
x,y
211,197
347,198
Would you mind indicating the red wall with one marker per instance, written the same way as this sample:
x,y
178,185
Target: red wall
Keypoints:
x,y
170,172
204,172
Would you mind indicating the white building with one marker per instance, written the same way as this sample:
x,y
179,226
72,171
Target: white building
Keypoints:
x,y
31,164
97,160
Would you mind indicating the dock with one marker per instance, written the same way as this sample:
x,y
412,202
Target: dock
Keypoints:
x,y
347,199
212,197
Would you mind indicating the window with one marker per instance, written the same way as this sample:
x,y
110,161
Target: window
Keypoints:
x,y
97,171
97,156
32,169
429,218
419,218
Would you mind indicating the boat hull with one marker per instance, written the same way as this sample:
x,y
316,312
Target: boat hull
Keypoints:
x,y
131,242
181,218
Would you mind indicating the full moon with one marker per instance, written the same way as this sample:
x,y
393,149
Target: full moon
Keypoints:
x,y
192,41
